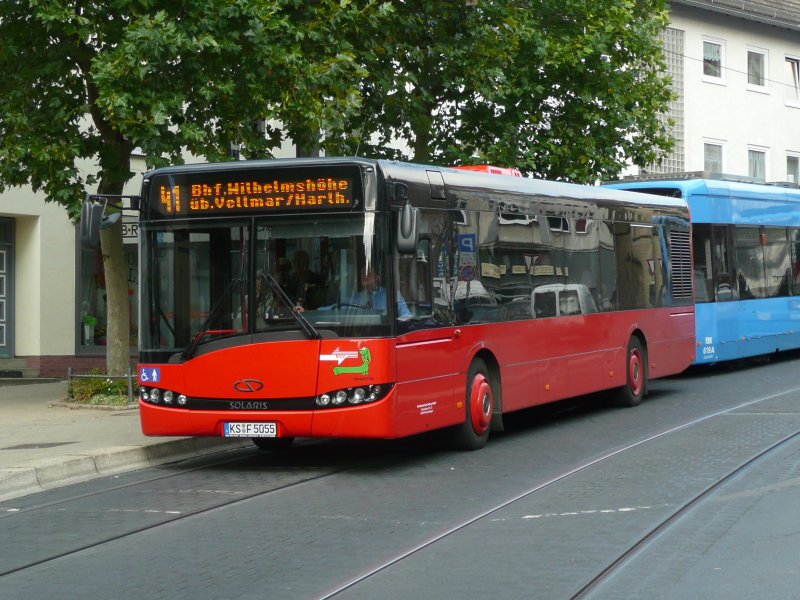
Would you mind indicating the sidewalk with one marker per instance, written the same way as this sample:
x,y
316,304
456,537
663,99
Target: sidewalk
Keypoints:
x,y
43,445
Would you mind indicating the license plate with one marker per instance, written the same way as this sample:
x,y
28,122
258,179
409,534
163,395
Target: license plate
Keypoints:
x,y
268,430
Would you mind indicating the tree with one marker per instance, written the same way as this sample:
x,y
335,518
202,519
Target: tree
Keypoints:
x,y
564,90
568,90
86,81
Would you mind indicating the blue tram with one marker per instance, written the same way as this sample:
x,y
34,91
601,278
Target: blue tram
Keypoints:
x,y
746,261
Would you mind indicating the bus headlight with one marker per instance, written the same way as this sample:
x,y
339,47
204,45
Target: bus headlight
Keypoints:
x,y
353,396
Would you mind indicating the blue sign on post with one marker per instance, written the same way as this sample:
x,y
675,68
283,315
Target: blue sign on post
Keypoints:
x,y
467,242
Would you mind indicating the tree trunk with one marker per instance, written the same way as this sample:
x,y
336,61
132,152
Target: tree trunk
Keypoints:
x,y
117,301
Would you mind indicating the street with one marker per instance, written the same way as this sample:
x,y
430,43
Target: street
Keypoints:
x,y
546,507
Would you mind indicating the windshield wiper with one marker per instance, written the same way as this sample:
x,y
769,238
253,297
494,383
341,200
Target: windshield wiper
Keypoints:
x,y
307,327
212,315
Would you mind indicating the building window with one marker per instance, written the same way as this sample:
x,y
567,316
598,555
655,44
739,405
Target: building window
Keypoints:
x,y
793,79
712,59
712,157
793,169
756,68
757,164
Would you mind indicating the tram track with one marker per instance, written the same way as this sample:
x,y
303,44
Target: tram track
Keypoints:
x,y
344,462
35,510
629,553
646,540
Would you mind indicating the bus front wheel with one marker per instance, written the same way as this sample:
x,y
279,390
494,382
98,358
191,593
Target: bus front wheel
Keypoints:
x,y
474,431
635,387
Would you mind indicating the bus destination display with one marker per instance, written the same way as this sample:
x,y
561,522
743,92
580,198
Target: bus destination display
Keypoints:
x,y
194,196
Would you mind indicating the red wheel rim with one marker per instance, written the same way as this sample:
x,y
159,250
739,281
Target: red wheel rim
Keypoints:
x,y
635,372
480,403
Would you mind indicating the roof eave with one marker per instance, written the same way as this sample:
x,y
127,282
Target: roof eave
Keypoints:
x,y
741,13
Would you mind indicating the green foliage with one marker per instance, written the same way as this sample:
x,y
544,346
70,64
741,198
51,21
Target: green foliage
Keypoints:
x,y
100,390
86,81
567,90
563,90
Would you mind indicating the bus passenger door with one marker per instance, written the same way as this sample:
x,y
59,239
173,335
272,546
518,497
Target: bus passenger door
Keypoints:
x,y
429,344
428,379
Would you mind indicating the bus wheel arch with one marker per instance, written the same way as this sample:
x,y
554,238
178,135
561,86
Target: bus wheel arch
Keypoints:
x,y
482,408
636,372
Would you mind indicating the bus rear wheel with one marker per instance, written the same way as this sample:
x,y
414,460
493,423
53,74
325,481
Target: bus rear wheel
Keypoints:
x,y
474,431
635,387
273,444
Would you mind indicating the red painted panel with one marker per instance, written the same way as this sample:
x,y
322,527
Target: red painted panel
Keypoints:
x,y
540,360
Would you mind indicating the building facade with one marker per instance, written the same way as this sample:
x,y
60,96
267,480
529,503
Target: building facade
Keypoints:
x,y
52,303
735,68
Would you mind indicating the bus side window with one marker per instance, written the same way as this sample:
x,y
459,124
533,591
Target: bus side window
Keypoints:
x,y
423,293
568,303
414,279
544,304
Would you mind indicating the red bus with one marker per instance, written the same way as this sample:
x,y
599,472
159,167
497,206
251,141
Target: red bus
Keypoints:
x,y
264,288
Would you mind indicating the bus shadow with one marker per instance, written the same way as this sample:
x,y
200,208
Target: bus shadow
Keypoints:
x,y
742,364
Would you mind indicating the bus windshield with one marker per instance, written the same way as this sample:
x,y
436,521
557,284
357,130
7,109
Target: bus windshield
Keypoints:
x,y
308,277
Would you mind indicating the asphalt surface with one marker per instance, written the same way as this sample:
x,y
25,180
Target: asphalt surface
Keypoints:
x,y
44,443
739,543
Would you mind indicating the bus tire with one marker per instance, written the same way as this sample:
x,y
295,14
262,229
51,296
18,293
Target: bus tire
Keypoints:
x,y
635,387
474,431
273,444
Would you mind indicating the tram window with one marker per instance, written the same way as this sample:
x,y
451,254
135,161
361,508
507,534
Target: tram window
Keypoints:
x,y
701,239
750,281
794,235
777,262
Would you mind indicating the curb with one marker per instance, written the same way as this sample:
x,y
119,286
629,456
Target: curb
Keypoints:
x,y
51,473
107,407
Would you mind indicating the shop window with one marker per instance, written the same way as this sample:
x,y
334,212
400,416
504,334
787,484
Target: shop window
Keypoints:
x,y
92,305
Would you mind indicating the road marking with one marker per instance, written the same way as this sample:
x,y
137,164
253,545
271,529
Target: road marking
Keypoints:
x,y
578,513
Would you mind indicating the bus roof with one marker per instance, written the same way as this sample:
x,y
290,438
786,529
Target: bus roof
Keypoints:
x,y
430,176
713,187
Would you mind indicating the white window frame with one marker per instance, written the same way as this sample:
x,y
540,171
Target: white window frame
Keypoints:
x,y
711,78
796,157
765,152
792,73
721,145
754,87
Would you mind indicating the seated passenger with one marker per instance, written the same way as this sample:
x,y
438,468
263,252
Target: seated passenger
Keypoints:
x,y
373,295
304,286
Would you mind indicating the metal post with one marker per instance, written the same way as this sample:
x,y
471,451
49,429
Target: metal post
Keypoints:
x,y
130,386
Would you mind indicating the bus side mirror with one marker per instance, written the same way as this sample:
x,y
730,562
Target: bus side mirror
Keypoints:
x,y
93,219
91,216
407,234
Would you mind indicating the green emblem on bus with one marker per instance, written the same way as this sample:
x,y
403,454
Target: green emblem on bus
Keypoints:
x,y
362,369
